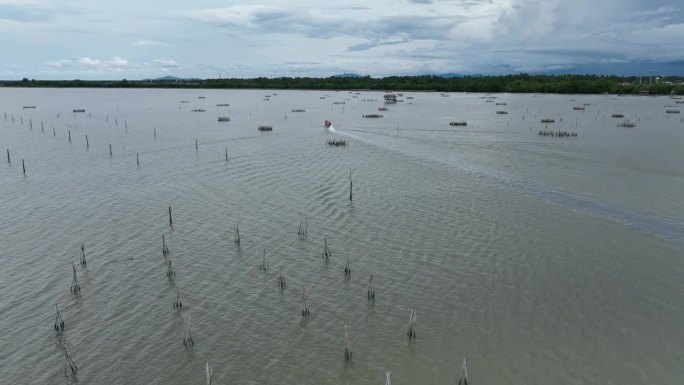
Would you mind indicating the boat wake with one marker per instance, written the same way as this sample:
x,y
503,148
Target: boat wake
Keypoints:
x,y
331,129
637,220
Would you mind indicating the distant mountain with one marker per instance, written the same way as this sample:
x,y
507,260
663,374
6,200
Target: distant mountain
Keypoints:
x,y
347,75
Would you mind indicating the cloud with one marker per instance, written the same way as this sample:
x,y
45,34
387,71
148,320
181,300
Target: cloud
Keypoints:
x,y
25,13
149,43
380,37
239,15
115,64
375,30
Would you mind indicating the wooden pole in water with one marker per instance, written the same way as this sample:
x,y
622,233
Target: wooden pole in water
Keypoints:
x,y
8,157
350,185
464,372
53,132
69,136
155,133
110,149
137,158
87,143
23,166
195,144
170,218
226,154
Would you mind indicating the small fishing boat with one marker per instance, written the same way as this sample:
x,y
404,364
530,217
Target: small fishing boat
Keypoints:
x,y
327,123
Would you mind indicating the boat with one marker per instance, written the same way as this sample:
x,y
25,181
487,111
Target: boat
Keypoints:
x,y
327,123
390,98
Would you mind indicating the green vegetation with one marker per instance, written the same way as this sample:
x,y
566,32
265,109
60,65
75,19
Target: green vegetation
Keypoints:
x,y
521,83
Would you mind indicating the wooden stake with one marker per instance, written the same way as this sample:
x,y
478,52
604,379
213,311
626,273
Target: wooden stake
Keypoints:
x,y
350,185
464,372
170,218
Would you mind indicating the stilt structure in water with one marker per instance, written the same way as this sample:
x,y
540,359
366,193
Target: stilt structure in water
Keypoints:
x,y
188,341
169,270
210,374
177,304
165,249
347,345
464,372
281,279
387,378
371,289
83,255
347,268
59,322
264,266
75,287
326,250
237,236
305,307
411,333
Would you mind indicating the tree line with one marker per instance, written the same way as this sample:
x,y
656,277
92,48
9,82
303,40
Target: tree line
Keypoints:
x,y
519,83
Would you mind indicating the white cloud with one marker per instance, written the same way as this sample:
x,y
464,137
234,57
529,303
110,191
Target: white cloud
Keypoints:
x,y
381,36
149,43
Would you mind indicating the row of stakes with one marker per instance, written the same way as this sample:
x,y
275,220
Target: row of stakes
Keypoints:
x,y
188,340
137,155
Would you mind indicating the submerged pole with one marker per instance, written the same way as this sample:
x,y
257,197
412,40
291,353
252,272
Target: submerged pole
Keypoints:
x,y
350,185
464,372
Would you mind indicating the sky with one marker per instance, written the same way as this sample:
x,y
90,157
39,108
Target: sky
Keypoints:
x,y
138,39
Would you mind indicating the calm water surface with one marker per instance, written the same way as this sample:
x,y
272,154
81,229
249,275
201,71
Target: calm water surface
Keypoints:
x,y
545,260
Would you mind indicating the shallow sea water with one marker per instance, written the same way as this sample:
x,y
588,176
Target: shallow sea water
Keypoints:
x,y
545,260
